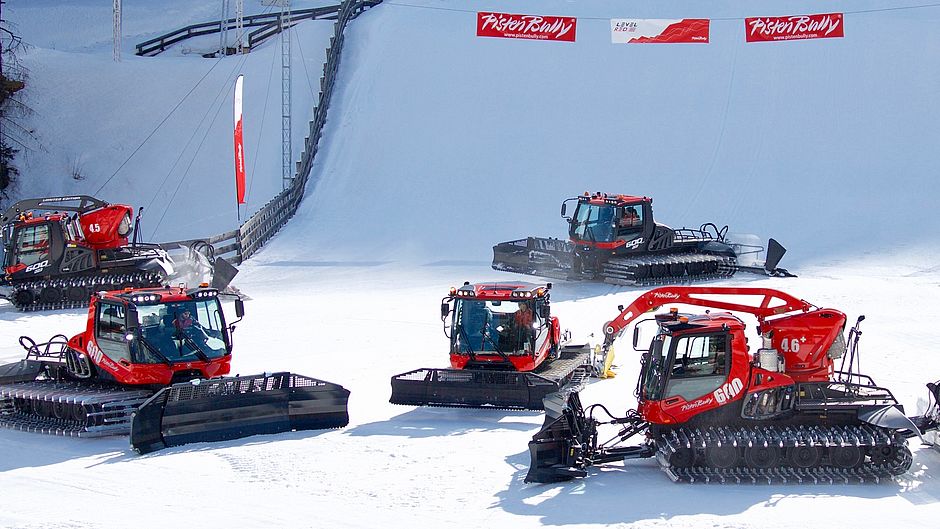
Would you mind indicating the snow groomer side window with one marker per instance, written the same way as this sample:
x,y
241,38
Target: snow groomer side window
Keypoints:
x,y
699,365
112,330
32,244
631,217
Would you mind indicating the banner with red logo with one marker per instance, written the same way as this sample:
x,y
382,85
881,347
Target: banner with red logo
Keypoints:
x,y
239,149
643,31
535,27
796,27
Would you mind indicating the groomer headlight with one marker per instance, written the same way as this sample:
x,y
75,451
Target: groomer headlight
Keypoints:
x,y
139,299
204,294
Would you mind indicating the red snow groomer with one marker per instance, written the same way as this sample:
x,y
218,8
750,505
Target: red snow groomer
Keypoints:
x,y
506,351
149,364
57,251
613,238
711,410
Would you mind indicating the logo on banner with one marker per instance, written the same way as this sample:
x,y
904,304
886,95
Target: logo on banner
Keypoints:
x,y
651,30
796,27
535,27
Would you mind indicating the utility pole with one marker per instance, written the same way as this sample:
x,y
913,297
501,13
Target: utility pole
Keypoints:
x,y
223,30
117,31
240,25
287,175
1,52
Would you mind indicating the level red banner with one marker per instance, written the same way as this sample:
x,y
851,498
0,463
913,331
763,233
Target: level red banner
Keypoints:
x,y
796,27
535,27
651,30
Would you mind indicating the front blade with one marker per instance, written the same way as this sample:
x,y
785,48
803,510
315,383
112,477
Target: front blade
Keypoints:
x,y
556,452
236,407
471,388
535,256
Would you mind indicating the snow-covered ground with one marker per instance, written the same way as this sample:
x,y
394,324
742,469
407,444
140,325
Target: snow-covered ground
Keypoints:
x,y
440,144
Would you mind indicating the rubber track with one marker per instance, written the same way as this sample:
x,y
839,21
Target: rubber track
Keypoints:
x,y
83,286
866,438
667,269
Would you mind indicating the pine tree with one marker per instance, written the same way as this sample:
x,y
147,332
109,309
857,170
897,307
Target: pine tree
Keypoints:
x,y
12,80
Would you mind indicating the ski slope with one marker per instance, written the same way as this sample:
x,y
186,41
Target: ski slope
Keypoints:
x,y
439,145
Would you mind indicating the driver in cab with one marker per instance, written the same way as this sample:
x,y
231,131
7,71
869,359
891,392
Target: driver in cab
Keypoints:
x,y
522,321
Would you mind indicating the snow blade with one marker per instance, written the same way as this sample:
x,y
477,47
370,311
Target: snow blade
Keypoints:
x,y
471,388
775,252
929,423
556,452
231,408
195,262
535,256
223,273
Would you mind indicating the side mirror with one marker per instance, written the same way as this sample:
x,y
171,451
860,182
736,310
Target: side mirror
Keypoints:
x,y
445,310
239,308
636,336
133,323
564,208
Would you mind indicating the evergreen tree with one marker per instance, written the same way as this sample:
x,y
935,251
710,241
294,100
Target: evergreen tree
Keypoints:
x,y
12,80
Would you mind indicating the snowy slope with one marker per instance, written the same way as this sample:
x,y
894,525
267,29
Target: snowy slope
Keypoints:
x,y
826,145
441,144
177,155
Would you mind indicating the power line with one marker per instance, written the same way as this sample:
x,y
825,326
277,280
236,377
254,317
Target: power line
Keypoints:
x,y
154,131
219,100
264,113
855,12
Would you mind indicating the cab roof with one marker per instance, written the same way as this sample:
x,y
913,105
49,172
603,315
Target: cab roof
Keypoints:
x,y
28,219
600,199
505,290
158,295
711,321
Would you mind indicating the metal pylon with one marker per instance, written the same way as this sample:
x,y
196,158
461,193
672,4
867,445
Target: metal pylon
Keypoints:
x,y
223,30
240,25
287,175
117,30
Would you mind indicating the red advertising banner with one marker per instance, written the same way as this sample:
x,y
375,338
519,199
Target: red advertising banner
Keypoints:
x,y
535,27
643,31
239,146
764,29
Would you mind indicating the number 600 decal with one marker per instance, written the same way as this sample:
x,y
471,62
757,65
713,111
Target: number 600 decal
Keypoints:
x,y
728,390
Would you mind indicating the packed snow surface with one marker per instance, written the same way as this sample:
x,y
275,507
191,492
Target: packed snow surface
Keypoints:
x,y
438,145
